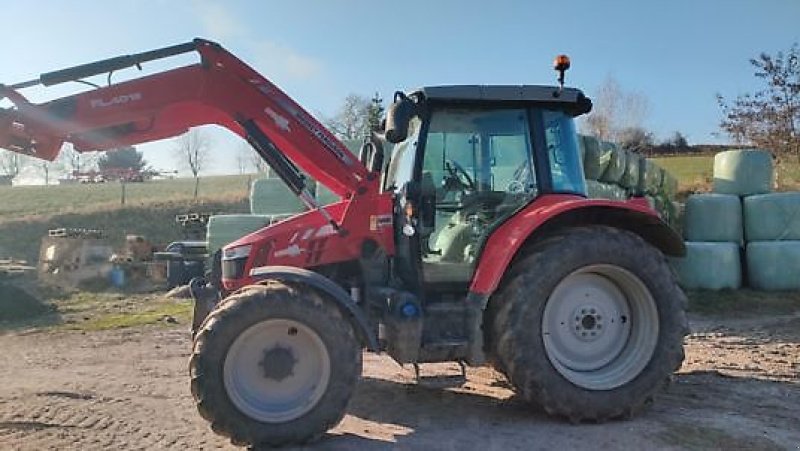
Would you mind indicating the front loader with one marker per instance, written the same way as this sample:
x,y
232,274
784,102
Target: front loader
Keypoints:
x,y
469,240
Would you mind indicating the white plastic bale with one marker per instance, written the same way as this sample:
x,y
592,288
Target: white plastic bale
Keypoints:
x,y
713,217
709,266
630,177
592,167
773,265
774,216
613,159
743,172
224,229
272,197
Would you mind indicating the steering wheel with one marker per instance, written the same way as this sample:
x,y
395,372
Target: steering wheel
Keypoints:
x,y
460,175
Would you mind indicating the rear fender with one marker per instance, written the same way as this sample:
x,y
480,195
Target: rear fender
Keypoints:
x,y
329,290
552,213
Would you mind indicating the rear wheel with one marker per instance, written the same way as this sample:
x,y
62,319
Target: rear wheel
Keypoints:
x,y
274,365
590,324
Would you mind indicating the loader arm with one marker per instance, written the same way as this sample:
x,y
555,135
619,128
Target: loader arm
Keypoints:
x,y
220,89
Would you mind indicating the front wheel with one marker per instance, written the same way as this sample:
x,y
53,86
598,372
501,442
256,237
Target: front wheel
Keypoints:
x,y
590,324
274,365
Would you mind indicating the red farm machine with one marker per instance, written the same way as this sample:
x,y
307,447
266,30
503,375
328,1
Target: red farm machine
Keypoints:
x,y
471,241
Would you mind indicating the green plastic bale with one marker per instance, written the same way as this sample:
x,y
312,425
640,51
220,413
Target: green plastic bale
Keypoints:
x,y
599,190
650,177
613,159
774,216
582,146
224,229
273,197
709,266
630,178
669,184
713,217
592,167
773,265
743,172
325,196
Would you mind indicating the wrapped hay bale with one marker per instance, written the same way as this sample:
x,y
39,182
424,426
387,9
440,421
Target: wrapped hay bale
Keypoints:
x,y
713,217
599,190
774,265
775,216
743,172
650,177
224,229
669,184
630,177
592,167
613,159
273,197
709,266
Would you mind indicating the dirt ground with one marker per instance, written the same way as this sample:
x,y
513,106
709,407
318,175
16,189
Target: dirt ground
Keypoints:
x,y
128,389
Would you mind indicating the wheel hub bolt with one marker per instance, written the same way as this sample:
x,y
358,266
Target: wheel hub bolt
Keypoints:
x,y
588,323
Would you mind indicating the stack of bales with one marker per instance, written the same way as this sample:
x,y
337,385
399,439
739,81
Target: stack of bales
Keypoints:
x,y
616,174
742,214
713,233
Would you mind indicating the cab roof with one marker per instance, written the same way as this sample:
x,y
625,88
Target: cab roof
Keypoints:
x,y
571,99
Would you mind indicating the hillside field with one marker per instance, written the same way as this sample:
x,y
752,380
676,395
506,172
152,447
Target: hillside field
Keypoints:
x,y
28,212
695,173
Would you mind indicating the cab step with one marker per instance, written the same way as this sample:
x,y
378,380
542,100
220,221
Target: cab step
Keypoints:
x,y
441,381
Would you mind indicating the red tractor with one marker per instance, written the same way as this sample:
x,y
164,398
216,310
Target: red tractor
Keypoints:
x,y
471,241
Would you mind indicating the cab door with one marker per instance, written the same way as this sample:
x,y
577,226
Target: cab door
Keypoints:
x,y
477,170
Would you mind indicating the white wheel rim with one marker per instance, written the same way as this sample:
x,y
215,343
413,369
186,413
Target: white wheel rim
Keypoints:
x,y
276,370
600,327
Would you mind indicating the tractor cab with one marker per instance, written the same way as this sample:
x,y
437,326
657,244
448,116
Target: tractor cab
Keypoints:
x,y
466,158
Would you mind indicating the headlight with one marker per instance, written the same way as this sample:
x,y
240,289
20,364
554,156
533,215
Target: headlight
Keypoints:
x,y
235,253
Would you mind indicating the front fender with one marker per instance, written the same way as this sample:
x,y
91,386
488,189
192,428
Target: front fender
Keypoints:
x,y
550,213
329,289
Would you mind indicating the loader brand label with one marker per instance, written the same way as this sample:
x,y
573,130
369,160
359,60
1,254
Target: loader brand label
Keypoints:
x,y
280,121
118,100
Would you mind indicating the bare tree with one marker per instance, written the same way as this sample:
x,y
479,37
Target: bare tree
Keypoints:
x,y
614,111
635,139
193,150
769,117
352,122
243,159
254,160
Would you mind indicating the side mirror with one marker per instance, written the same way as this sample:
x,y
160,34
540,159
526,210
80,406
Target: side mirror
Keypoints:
x,y
397,118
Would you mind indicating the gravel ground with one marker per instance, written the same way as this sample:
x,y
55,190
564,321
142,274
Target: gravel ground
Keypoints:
x,y
128,389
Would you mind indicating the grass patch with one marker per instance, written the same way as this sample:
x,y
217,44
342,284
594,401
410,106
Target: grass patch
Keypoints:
x,y
744,302
101,311
699,437
157,313
89,312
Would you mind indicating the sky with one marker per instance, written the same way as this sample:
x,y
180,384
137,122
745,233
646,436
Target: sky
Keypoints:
x,y
679,54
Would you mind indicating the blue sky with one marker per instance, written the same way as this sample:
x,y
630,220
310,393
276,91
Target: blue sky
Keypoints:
x,y
678,53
